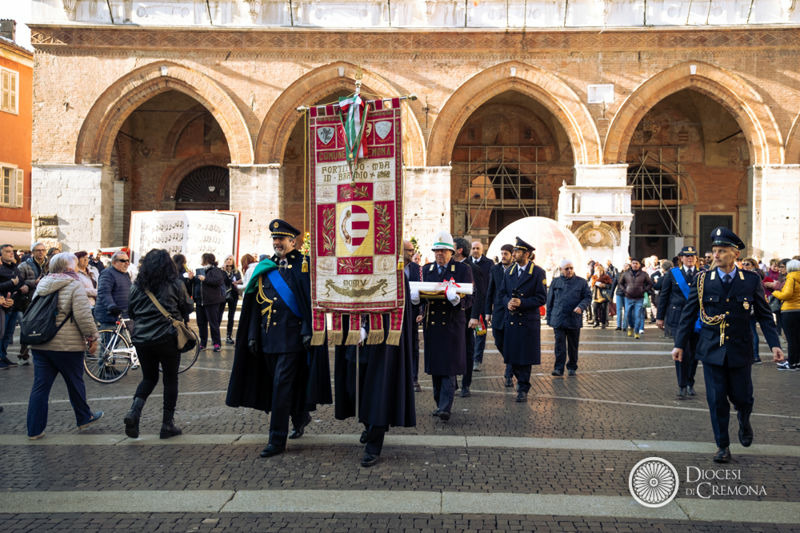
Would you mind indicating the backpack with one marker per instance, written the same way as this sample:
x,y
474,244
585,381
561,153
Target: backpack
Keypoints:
x,y
38,324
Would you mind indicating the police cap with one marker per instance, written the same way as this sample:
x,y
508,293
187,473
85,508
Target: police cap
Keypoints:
x,y
722,236
688,251
281,228
524,246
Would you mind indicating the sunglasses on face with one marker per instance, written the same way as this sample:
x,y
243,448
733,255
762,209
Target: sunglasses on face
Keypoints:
x,y
124,260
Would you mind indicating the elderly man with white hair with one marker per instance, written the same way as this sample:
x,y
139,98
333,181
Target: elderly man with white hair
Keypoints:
x,y
568,298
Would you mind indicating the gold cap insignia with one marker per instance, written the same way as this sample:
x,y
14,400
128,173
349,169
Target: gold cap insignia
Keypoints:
x,y
719,232
275,225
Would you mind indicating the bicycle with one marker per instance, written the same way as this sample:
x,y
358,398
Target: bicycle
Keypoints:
x,y
116,355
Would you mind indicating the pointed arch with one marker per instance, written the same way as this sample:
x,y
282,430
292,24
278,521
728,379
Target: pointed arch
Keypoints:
x,y
319,83
728,89
544,87
114,106
793,143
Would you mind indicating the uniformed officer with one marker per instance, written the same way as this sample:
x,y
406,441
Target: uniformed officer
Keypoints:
x,y
724,296
495,309
444,324
524,292
270,368
675,287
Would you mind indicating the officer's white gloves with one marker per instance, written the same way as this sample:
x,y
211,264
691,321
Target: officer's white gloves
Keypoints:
x,y
363,335
452,295
414,296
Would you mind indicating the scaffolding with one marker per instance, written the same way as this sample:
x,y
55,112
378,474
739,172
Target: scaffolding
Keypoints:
x,y
656,178
498,180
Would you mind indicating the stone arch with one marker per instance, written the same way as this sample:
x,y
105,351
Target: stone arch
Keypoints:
x,y
793,143
105,118
544,87
729,90
171,178
319,83
177,129
610,236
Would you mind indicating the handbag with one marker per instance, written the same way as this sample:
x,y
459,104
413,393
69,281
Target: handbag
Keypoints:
x,y
185,340
774,304
612,309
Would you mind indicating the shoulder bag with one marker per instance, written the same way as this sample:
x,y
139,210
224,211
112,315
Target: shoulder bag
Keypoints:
x,y
186,341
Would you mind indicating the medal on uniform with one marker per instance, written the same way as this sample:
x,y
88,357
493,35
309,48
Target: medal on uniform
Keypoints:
x,y
746,306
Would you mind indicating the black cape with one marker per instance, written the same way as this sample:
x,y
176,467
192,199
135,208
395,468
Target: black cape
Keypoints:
x,y
386,395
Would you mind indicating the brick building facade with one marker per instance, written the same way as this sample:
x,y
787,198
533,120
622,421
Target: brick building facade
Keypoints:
x,y
635,138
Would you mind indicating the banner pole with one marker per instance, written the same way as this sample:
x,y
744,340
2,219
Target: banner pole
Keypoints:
x,y
410,97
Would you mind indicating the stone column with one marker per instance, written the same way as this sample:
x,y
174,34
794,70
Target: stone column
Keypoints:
x,y
774,200
72,205
426,204
257,195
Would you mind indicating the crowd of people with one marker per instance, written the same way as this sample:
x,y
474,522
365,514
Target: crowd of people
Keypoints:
x,y
277,370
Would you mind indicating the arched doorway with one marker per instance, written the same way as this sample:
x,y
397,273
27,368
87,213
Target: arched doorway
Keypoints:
x,y
509,160
205,188
163,134
688,161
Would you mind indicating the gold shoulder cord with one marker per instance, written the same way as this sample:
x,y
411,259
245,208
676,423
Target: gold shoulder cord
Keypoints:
x,y
717,320
261,298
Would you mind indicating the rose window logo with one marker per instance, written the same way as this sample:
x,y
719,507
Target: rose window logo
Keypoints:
x,y
653,482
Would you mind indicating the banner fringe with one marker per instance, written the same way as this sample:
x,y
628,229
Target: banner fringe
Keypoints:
x,y
393,338
353,337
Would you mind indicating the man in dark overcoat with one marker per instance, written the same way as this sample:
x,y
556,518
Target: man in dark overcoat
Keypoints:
x,y
444,324
724,296
675,288
274,368
385,381
569,296
495,309
472,314
477,259
524,292
413,271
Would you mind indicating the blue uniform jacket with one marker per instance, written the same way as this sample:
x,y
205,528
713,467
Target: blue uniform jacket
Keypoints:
x,y
494,297
522,327
671,299
562,299
745,294
444,324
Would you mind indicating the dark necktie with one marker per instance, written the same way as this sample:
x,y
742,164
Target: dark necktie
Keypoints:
x,y
726,280
441,269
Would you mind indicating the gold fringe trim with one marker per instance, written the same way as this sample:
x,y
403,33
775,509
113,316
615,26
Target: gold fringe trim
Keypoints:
x,y
317,338
353,337
375,337
336,337
393,338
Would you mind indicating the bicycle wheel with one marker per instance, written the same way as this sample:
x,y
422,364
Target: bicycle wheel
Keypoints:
x,y
189,358
111,361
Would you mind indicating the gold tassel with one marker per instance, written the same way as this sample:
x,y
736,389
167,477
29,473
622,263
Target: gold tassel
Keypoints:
x,y
317,338
375,335
336,337
353,337
393,339
400,263
305,264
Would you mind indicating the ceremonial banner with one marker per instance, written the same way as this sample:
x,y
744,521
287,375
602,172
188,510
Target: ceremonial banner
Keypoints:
x,y
356,192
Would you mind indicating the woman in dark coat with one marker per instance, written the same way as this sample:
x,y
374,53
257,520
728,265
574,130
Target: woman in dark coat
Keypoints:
x,y
209,296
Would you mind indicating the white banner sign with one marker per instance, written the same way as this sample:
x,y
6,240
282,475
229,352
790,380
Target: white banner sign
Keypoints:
x,y
191,233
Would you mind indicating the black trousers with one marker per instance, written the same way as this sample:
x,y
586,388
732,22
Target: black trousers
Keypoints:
x,y
523,375
208,317
499,335
415,351
566,344
466,381
686,369
231,305
791,327
444,391
282,369
151,355
600,313
724,383
375,435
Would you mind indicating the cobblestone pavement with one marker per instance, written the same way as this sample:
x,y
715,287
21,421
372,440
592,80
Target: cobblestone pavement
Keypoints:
x,y
624,392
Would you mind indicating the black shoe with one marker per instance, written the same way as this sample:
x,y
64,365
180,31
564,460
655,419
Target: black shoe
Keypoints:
x,y
169,429
571,372
369,460
465,393
595,325
509,383
745,431
417,388
723,455
228,340
298,431
522,397
435,412
363,438
444,415
618,328
682,392
557,373
272,449
132,418
690,391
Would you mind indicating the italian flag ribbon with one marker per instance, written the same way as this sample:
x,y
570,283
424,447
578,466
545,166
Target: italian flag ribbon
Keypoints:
x,y
353,114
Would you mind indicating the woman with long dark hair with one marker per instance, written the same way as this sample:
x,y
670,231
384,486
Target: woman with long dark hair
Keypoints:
x,y
232,278
155,338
